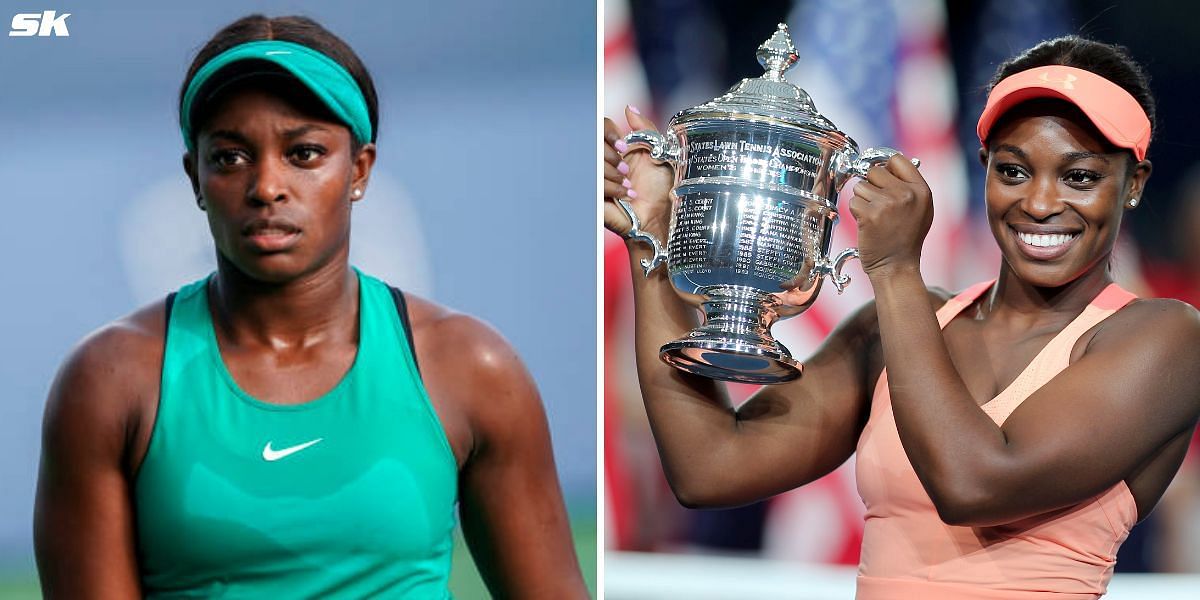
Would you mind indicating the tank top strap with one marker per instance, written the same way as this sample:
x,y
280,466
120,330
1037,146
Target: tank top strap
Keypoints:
x,y
1056,355
1112,299
955,305
945,314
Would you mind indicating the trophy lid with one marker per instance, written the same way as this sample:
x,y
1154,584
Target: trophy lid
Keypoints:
x,y
770,95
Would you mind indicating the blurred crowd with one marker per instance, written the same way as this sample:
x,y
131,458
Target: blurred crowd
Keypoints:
x,y
908,74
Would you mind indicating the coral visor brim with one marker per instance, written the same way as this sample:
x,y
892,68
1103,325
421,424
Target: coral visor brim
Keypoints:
x,y
1114,112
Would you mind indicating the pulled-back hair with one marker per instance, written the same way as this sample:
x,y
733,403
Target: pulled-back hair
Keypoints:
x,y
1109,61
295,29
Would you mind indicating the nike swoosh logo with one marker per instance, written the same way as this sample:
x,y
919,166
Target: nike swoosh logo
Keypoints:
x,y
271,455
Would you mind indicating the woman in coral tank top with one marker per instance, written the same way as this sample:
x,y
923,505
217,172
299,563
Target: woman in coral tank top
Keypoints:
x,y
1007,437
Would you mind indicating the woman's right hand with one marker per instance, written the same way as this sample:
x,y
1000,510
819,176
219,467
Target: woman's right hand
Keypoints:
x,y
632,175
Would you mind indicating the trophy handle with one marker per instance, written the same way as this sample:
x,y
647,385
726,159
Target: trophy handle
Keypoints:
x,y
663,148
851,164
635,233
833,269
858,165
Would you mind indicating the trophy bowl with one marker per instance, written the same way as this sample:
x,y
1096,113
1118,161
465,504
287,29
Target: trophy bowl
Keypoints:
x,y
757,175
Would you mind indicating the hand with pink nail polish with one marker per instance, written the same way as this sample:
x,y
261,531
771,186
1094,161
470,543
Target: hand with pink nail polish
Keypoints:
x,y
631,175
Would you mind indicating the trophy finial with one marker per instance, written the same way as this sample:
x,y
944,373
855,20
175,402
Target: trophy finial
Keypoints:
x,y
777,54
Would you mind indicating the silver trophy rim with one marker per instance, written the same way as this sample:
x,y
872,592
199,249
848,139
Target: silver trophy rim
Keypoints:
x,y
782,367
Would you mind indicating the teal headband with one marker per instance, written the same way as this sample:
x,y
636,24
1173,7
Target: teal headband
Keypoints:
x,y
328,80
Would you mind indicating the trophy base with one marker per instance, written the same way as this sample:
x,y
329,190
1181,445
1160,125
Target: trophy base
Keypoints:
x,y
735,343
731,361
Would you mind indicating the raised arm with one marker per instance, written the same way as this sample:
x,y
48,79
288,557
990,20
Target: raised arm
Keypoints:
x,y
1134,391
715,454
511,505
83,517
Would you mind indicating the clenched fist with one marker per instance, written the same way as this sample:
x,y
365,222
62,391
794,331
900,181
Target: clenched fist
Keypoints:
x,y
893,208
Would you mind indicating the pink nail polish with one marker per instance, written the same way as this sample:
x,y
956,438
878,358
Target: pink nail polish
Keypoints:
x,y
628,184
621,146
631,193
622,168
634,110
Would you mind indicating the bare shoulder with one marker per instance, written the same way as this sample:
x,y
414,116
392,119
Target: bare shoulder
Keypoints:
x,y
1162,322
106,385
461,338
468,359
1159,337
120,353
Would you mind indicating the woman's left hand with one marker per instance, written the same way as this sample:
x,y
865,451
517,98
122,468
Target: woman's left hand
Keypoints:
x,y
894,209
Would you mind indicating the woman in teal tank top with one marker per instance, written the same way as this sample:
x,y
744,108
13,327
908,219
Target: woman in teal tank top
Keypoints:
x,y
266,432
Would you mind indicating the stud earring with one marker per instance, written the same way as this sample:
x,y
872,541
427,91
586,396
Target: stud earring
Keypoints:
x,y
357,193
1133,202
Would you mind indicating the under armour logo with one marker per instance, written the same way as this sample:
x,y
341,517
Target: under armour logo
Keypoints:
x,y
1066,80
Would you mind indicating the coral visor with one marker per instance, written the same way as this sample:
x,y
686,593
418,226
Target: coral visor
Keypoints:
x,y
1111,109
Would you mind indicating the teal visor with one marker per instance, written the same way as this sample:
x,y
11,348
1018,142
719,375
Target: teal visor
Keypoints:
x,y
328,80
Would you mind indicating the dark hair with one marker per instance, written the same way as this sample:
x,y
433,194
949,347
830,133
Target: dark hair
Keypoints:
x,y
1109,61
296,29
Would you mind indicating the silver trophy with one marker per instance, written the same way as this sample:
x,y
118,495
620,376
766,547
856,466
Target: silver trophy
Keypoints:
x,y
757,175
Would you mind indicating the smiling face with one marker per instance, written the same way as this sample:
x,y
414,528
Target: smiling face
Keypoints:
x,y
276,178
1055,193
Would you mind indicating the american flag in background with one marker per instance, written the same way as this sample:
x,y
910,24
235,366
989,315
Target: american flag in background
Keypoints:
x,y
1012,26
881,72
1001,29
